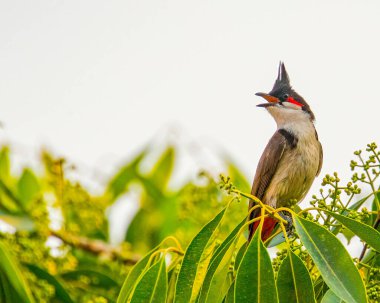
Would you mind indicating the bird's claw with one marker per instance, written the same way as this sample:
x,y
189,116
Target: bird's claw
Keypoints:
x,y
288,218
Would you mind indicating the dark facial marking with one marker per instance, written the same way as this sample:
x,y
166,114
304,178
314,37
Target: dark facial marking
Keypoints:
x,y
290,138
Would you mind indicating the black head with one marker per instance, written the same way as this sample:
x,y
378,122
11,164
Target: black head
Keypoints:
x,y
282,91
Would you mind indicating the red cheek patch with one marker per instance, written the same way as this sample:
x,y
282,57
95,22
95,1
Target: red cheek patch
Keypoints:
x,y
292,100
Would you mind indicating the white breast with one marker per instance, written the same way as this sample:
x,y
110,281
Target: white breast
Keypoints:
x,y
298,166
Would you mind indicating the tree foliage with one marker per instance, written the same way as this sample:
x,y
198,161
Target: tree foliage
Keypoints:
x,y
185,244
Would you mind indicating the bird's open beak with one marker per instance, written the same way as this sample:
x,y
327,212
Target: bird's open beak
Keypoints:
x,y
271,100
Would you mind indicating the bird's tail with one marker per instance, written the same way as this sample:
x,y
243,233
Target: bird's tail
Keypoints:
x,y
267,229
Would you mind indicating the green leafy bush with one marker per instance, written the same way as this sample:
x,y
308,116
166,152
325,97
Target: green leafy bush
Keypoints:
x,y
311,265
186,244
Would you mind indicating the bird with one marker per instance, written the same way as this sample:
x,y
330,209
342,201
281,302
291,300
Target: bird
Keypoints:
x,y
293,157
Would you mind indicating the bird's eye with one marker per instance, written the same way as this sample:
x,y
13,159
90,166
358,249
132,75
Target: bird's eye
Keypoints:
x,y
285,97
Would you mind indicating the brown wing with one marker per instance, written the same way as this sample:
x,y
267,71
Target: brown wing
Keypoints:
x,y
320,158
268,165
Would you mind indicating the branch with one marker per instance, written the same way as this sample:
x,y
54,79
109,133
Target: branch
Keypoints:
x,y
96,247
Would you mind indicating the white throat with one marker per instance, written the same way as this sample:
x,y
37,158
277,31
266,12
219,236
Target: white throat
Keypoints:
x,y
296,121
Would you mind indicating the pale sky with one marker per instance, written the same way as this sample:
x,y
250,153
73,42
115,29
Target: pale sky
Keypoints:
x,y
96,80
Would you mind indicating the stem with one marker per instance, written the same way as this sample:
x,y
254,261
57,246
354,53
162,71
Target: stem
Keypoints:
x,y
375,226
285,234
96,247
249,223
267,208
174,239
284,209
349,200
252,209
375,153
371,184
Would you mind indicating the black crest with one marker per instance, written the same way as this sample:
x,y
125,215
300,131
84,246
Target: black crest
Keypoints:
x,y
282,86
282,80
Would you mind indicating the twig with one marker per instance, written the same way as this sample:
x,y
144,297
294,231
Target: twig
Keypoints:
x,y
375,226
96,247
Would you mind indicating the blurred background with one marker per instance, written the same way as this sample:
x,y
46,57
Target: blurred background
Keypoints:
x,y
140,96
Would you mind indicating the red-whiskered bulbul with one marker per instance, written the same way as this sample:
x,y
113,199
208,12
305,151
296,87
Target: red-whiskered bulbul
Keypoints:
x,y
293,156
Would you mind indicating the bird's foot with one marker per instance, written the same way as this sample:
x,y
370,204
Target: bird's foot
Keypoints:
x,y
288,218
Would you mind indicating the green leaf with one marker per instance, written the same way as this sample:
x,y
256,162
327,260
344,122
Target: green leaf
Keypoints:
x,y
97,279
119,183
7,292
348,234
20,222
375,202
332,259
172,278
133,277
330,297
152,286
230,294
218,268
195,261
240,255
9,201
358,204
4,164
228,241
154,191
365,232
162,170
60,293
10,269
294,282
320,288
277,240
335,230
28,187
255,277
